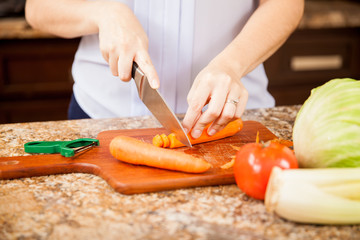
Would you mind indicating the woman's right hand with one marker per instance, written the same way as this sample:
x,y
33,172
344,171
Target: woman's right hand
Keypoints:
x,y
124,41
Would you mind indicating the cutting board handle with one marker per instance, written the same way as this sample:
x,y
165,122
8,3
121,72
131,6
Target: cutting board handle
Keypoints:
x,y
41,165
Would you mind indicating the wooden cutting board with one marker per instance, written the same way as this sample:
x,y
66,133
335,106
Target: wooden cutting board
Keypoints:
x,y
129,179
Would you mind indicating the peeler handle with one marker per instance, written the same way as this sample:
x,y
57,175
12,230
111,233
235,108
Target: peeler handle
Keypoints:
x,y
65,148
43,146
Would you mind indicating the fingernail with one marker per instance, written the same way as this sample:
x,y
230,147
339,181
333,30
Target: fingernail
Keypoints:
x,y
154,84
196,133
212,132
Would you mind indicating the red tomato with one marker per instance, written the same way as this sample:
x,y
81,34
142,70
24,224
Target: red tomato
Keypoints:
x,y
254,162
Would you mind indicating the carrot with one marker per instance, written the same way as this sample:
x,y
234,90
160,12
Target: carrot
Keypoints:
x,y
158,141
231,129
166,142
285,142
174,142
134,151
229,164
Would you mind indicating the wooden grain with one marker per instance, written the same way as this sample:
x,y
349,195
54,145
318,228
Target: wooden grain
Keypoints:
x,y
129,179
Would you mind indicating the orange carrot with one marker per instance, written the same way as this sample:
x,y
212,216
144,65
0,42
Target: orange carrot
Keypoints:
x,y
229,164
158,141
174,142
165,139
235,147
285,142
134,151
230,129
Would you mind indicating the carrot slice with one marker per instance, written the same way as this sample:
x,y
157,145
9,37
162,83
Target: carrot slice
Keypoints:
x,y
229,164
285,142
235,147
134,151
174,142
165,140
231,129
158,141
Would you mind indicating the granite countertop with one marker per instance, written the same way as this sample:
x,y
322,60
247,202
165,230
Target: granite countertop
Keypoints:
x,y
84,206
317,14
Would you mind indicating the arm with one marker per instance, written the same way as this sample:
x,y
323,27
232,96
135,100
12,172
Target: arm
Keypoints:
x,y
266,30
122,38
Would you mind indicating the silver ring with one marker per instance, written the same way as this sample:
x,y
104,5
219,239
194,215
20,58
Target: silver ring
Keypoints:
x,y
235,102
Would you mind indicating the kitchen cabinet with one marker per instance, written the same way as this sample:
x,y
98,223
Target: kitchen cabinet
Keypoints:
x,y
311,57
35,78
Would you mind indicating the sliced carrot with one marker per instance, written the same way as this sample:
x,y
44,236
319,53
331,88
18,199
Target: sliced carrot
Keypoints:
x,y
158,141
235,147
134,151
231,129
165,140
174,142
285,142
229,164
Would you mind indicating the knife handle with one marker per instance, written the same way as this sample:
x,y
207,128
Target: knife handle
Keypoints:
x,y
136,70
139,77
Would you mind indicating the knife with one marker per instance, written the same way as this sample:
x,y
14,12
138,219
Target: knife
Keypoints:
x,y
157,105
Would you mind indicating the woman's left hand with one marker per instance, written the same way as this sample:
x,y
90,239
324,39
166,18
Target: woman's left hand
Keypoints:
x,y
220,87
219,84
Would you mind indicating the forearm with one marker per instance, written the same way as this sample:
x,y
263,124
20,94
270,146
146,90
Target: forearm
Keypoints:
x,y
266,30
68,18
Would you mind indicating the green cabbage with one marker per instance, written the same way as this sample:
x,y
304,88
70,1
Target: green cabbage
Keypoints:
x,y
327,128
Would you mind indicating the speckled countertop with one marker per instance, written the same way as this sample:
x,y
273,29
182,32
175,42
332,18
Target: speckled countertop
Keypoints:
x,y
84,206
317,14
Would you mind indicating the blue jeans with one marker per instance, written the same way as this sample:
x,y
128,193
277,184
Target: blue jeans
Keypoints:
x,y
75,111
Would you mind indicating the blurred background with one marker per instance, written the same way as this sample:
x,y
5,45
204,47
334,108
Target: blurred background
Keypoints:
x,y
36,83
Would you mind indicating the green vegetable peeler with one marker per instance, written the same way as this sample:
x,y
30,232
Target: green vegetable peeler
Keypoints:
x,y
65,148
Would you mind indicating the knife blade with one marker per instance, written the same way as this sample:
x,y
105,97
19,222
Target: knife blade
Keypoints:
x,y
157,105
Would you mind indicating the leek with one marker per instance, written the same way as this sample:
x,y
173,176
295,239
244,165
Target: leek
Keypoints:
x,y
319,196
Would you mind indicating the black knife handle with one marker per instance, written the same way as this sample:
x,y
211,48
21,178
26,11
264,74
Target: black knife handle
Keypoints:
x,y
135,67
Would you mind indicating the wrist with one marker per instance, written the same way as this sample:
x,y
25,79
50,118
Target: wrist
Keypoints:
x,y
104,13
229,62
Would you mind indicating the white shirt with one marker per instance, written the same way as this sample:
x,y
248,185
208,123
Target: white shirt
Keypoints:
x,y
184,36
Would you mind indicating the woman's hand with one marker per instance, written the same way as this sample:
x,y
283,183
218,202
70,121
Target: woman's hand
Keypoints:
x,y
219,83
123,41
220,87
122,38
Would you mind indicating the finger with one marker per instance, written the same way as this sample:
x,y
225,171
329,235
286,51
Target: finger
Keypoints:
x,y
186,127
215,107
144,61
105,55
193,89
124,65
113,64
227,114
242,103
195,109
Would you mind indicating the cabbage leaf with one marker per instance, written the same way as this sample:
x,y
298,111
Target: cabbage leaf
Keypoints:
x,y
327,128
